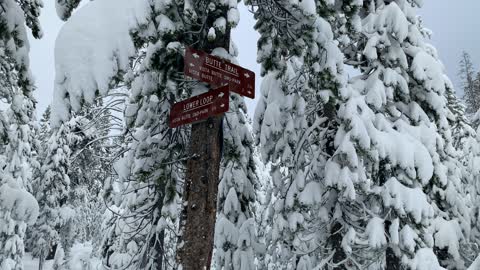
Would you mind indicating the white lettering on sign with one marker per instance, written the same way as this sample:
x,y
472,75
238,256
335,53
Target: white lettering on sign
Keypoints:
x,y
231,69
194,72
232,80
217,72
207,77
213,62
198,103
199,113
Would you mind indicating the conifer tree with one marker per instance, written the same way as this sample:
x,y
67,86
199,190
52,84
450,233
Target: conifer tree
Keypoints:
x,y
398,100
89,168
40,141
296,122
470,158
471,90
465,141
18,208
54,225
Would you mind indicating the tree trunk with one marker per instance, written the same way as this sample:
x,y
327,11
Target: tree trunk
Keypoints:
x,y
41,261
195,246
443,256
201,188
51,252
392,261
160,250
336,243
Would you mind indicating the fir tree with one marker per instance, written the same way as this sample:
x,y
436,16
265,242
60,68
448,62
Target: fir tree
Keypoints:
x,y
296,121
471,91
54,225
90,168
465,141
18,208
398,100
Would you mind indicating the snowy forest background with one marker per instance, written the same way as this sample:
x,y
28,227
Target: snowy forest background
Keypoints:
x,y
361,154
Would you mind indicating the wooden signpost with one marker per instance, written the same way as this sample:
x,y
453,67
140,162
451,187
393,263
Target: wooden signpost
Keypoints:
x,y
204,112
217,72
200,107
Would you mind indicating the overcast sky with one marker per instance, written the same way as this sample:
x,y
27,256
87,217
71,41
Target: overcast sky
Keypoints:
x,y
455,25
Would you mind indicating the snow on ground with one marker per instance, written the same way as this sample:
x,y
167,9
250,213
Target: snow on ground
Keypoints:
x,y
81,259
30,263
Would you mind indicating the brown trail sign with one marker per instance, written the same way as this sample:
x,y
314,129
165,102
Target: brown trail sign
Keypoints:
x,y
215,71
200,107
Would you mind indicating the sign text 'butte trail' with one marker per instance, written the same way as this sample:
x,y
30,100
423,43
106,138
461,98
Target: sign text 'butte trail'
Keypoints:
x,y
217,72
200,107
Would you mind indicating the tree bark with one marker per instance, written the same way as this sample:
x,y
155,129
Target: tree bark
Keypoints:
x,y
41,261
201,188
336,242
392,261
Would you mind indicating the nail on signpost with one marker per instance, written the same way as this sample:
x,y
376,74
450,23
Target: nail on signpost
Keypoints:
x,y
200,107
215,71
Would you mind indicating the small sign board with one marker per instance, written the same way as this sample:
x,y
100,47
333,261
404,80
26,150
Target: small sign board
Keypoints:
x,y
215,71
200,107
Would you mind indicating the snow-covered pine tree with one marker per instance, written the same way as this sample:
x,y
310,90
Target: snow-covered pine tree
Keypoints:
x,y
461,128
44,130
466,142
474,115
470,158
236,243
132,240
460,203
90,164
385,151
18,208
454,201
471,90
54,226
91,161
296,123
85,168
41,137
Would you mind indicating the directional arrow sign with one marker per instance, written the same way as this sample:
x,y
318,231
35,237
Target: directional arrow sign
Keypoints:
x,y
200,107
202,66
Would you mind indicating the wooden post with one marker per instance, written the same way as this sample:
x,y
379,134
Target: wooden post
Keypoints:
x,y
201,188
195,247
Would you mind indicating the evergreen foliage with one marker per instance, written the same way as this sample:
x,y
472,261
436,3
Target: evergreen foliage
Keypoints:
x,y
470,83
360,154
18,208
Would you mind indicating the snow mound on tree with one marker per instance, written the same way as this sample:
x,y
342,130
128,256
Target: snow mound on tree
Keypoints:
x,y
448,234
407,200
92,48
425,259
19,204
